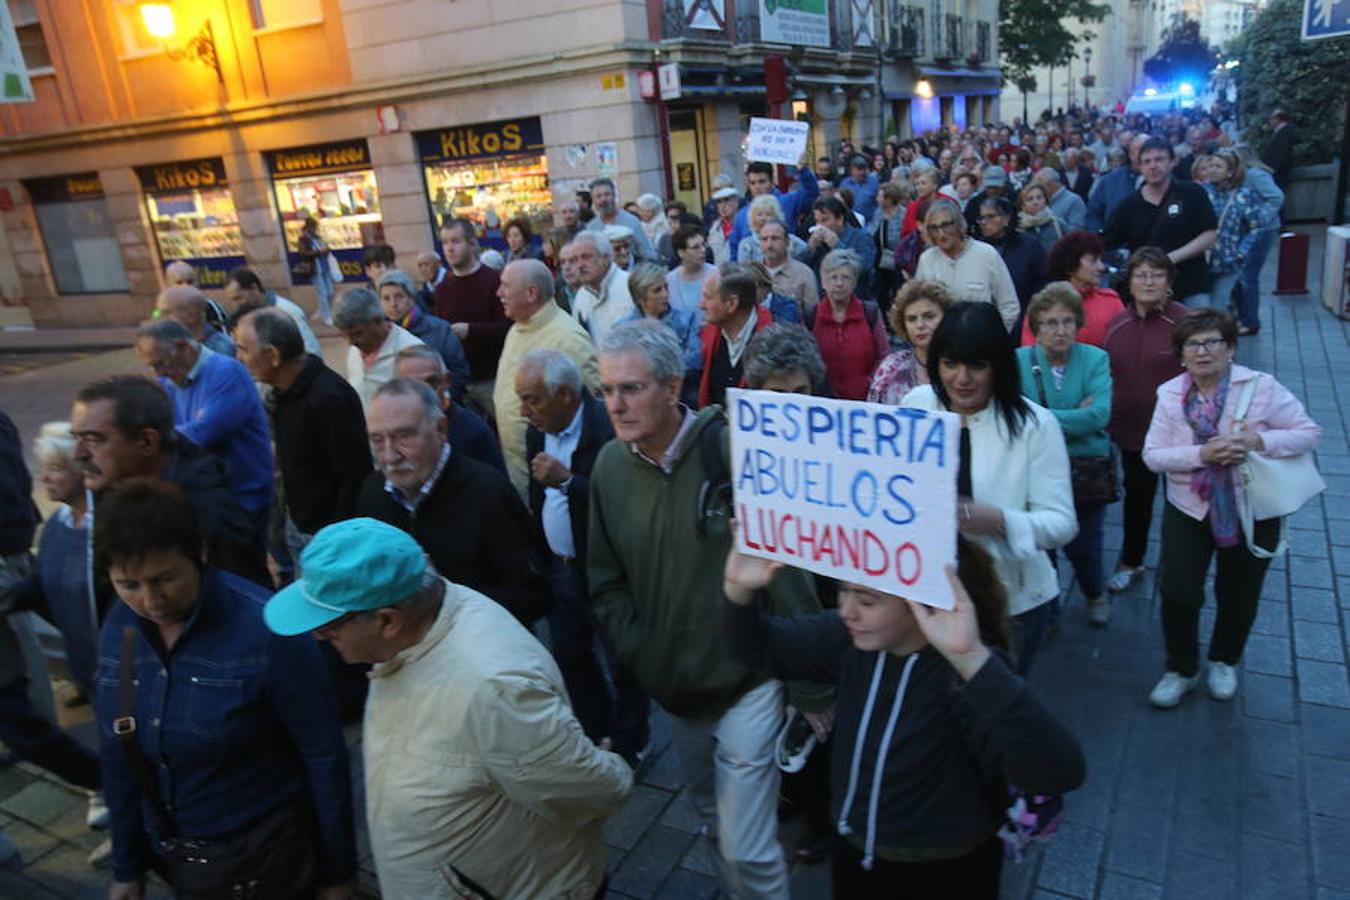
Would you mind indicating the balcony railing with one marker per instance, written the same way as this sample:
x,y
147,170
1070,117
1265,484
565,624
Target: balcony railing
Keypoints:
x,y
905,30
984,41
947,36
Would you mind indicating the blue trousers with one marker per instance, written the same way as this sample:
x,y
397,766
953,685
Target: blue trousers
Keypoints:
x,y
1249,294
1085,550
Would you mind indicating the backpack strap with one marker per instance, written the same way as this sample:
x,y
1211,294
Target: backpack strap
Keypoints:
x,y
715,492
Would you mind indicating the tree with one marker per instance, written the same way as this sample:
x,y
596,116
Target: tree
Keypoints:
x,y
1308,79
1183,54
1032,33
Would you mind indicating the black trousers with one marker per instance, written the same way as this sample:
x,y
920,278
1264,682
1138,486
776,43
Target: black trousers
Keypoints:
x,y
1141,486
970,877
1187,548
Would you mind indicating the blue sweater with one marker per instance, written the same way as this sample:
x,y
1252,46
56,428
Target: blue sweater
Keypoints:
x,y
219,410
794,204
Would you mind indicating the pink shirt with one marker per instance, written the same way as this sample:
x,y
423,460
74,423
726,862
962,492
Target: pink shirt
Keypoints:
x,y
1170,447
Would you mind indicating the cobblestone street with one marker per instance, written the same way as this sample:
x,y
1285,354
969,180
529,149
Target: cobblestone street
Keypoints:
x,y
1249,799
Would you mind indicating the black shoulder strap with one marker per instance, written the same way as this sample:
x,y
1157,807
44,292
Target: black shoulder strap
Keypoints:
x,y
715,493
124,726
809,316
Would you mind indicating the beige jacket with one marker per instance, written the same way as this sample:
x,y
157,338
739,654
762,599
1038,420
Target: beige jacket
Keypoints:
x,y
476,768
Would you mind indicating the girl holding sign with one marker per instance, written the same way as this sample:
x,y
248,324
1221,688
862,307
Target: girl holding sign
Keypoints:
x,y
931,726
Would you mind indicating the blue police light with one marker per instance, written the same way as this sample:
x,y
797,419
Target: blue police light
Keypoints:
x,y
1150,92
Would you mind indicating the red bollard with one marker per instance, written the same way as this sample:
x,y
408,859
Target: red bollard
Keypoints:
x,y
1292,277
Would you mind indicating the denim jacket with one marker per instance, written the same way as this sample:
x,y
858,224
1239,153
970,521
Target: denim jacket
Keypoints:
x,y
234,722
1238,227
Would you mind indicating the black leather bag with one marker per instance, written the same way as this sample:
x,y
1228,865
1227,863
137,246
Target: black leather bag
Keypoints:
x,y
1094,477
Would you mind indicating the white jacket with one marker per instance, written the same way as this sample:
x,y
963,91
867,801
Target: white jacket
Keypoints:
x,y
475,766
1028,478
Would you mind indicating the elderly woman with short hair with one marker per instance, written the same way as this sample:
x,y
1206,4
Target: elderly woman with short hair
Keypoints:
x,y
972,270
918,310
1076,259
763,209
398,297
1073,381
848,329
783,357
650,289
1197,441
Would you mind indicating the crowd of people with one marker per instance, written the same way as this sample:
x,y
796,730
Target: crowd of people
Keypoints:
x,y
500,531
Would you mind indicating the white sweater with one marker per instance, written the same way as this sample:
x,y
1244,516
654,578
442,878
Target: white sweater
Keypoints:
x,y
1028,478
978,275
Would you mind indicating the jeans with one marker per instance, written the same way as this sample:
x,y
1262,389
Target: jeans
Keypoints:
x,y
1188,546
1029,630
729,768
1085,550
323,289
1221,290
1140,487
1194,301
974,876
1249,295
37,740
622,716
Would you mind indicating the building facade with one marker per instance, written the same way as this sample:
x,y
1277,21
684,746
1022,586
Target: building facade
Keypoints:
x,y
212,144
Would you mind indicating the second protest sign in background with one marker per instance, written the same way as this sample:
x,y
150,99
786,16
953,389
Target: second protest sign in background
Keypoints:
x,y
860,492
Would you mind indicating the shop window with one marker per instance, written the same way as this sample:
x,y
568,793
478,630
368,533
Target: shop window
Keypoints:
x,y
278,13
78,234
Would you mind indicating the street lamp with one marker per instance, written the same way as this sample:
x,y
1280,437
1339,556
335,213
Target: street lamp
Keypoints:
x,y
924,89
159,23
1087,75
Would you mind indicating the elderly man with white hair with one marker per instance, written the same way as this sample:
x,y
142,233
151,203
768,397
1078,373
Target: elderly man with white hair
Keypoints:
x,y
603,300
526,293
375,341
1064,203
188,306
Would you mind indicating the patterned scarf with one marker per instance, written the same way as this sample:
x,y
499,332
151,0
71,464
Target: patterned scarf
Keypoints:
x,y
1213,483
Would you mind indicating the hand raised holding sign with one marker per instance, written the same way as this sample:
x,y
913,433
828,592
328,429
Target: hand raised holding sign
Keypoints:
x,y
954,633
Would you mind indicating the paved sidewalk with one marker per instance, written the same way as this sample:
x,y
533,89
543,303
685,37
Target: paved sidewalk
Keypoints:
x,y
1249,799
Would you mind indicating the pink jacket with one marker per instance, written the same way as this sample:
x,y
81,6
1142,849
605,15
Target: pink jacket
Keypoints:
x,y
1170,446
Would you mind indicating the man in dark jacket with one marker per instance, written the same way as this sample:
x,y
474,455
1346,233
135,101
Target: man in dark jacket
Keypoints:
x,y
399,299
567,428
317,423
467,431
465,515
123,428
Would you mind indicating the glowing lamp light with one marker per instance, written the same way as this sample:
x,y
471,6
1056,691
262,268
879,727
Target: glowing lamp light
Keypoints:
x,y
924,89
158,20
1150,92
1186,89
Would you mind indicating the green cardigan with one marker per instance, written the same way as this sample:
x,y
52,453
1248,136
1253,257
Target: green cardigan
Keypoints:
x,y
1087,374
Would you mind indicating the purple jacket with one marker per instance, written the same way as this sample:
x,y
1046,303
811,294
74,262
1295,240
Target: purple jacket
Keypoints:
x,y
1274,413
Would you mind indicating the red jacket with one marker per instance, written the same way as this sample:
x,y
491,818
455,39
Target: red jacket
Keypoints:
x,y
1100,308
711,336
1142,359
852,349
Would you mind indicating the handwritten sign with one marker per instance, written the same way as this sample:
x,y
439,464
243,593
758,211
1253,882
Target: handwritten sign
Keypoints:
x,y
860,492
780,141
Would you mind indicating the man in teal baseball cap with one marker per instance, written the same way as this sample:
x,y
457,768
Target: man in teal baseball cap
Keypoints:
x,y
470,746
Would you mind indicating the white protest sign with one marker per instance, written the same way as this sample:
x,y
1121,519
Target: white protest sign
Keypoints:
x,y
780,141
856,491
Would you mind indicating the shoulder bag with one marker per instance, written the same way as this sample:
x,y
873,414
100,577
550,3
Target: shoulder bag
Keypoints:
x,y
1273,487
1094,477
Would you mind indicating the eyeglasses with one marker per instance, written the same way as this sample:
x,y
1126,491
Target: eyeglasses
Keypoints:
x,y
939,227
1209,345
1148,275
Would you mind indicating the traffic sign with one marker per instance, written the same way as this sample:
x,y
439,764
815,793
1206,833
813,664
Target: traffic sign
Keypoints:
x,y
1325,19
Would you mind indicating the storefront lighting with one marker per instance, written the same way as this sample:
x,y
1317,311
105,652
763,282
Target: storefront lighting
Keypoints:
x,y
159,23
924,89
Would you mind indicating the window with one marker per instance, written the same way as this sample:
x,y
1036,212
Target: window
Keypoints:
x,y
277,13
136,41
78,233
32,44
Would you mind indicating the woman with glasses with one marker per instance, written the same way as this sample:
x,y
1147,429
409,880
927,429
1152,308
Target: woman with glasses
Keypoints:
x,y
1021,253
971,270
1073,380
1139,342
1242,218
1196,441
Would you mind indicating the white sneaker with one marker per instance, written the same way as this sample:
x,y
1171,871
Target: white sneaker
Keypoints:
x,y
98,817
1169,690
1121,579
1222,681
101,856
1099,611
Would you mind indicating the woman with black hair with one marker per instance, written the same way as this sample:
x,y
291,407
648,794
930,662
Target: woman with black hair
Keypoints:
x,y
1016,495
996,224
931,727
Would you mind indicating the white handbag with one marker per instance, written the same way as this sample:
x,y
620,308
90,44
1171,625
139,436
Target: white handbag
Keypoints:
x,y
1275,487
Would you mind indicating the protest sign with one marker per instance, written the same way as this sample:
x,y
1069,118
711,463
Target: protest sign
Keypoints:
x,y
860,492
780,141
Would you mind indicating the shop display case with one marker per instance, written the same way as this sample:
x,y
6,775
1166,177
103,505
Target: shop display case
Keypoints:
x,y
509,186
198,224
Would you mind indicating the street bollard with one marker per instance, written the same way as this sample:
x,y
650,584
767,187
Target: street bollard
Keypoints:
x,y
1292,277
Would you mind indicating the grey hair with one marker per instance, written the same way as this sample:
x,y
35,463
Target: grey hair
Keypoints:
x,y
557,369
722,180
274,328
642,278
425,602
357,306
422,351
650,202
407,387
596,240
400,278
841,258
165,331
651,340
769,203
781,348
181,270
1049,174
54,442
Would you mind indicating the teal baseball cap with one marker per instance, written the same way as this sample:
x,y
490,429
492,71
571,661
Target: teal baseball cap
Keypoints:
x,y
350,566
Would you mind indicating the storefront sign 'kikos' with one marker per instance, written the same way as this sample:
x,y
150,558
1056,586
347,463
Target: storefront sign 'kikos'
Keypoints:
x,y
64,188
483,140
318,159
182,176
